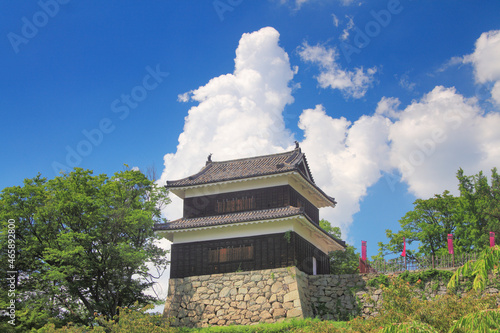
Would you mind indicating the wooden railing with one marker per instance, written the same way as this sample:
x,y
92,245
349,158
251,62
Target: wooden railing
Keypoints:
x,y
401,264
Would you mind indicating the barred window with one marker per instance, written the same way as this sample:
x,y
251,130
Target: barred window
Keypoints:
x,y
235,205
228,254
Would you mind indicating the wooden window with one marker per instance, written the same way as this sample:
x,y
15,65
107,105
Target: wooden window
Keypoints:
x,y
228,254
235,205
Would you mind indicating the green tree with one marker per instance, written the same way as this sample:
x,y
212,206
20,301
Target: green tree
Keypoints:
x,y
469,217
479,207
341,262
428,223
82,244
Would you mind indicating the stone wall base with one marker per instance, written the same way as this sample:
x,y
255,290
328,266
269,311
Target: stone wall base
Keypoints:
x,y
240,298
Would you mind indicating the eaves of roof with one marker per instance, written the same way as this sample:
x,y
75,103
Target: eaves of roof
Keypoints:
x,y
185,224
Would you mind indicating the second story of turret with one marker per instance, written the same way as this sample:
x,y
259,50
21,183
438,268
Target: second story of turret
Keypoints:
x,y
252,184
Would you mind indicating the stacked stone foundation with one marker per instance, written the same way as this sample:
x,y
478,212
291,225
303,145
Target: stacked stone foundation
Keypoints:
x,y
238,298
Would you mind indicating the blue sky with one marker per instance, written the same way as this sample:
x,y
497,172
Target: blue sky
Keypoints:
x,y
387,98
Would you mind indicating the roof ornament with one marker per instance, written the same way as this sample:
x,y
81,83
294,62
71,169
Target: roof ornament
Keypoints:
x,y
296,145
209,158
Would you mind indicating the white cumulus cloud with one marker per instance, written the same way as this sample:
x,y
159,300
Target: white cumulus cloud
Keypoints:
x,y
486,61
388,106
184,97
495,92
345,158
352,83
439,134
239,114
485,58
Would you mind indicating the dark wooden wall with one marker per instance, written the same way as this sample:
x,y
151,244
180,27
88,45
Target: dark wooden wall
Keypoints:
x,y
250,253
305,251
258,199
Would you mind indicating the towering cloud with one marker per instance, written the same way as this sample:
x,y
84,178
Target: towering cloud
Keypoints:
x,y
239,114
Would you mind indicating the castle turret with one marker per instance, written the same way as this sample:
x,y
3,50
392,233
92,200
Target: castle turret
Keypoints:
x,y
250,214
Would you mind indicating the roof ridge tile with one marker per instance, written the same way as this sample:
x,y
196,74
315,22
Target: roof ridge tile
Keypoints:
x,y
241,168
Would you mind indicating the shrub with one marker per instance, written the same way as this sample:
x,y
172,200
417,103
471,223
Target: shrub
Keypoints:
x,y
133,320
401,307
376,282
413,327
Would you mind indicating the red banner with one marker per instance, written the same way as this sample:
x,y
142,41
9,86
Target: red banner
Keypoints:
x,y
450,244
492,239
404,248
363,250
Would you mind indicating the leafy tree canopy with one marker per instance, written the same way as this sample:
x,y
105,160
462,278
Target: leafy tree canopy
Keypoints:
x,y
82,244
341,262
469,217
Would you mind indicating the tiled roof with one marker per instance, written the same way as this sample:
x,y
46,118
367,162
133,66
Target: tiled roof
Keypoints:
x,y
244,168
232,218
206,221
258,166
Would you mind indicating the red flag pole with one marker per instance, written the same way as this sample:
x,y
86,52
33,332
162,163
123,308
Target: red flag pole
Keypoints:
x,y
492,239
404,251
450,248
